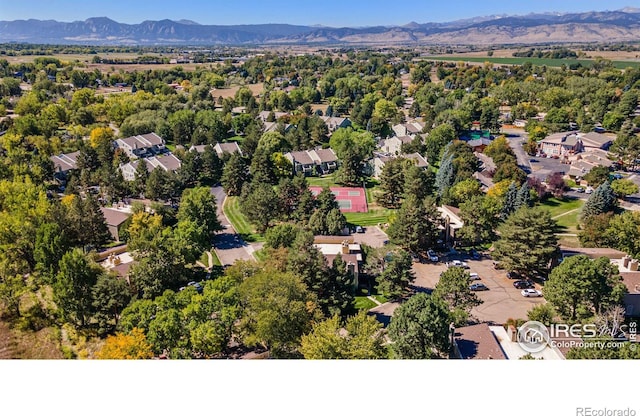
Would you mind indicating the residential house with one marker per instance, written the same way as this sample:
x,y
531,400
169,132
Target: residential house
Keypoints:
x,y
593,140
476,342
351,253
310,162
561,144
114,219
571,143
63,163
264,115
169,162
451,223
411,128
380,159
582,163
393,145
478,145
229,147
335,123
141,145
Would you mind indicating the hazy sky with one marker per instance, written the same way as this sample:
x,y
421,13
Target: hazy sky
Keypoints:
x,y
324,12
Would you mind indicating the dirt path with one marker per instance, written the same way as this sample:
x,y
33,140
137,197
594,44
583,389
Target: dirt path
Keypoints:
x,y
7,343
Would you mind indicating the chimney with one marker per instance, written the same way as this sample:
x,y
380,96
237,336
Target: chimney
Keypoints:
x,y
633,265
625,261
345,247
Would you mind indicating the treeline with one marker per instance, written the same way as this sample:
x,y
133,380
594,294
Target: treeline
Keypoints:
x,y
559,53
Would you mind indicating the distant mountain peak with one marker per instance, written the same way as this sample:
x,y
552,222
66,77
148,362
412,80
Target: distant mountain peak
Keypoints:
x,y
600,26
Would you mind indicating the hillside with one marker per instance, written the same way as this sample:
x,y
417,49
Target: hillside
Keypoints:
x,y
609,26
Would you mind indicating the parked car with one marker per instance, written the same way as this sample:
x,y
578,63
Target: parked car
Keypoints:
x,y
513,275
531,293
475,255
432,256
523,284
478,287
197,286
497,265
458,263
589,190
474,276
533,160
359,229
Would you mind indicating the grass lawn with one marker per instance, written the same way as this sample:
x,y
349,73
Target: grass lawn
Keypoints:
x,y
216,260
557,206
239,221
260,255
364,303
321,181
373,217
204,259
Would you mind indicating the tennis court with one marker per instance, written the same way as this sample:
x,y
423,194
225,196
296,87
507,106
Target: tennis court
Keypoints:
x,y
348,199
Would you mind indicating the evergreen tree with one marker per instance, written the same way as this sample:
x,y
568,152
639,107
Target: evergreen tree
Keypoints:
x,y
234,175
510,201
142,175
259,203
445,176
392,182
94,227
211,167
418,183
337,298
397,275
73,285
602,200
527,241
416,225
262,168
523,198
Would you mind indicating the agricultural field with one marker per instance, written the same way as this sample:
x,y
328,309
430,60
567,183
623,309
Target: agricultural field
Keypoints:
x,y
534,61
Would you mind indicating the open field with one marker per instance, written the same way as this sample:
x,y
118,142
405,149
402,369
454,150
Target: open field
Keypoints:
x,y
535,61
508,53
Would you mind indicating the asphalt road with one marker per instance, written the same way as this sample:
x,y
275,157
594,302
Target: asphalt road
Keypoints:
x,y
227,243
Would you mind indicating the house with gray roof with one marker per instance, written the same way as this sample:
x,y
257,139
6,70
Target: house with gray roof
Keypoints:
x,y
310,162
168,161
141,145
63,163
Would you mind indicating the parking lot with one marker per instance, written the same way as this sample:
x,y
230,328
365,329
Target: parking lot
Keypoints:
x,y
372,236
501,302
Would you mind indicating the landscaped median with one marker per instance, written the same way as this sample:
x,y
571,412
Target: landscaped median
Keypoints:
x,y
239,222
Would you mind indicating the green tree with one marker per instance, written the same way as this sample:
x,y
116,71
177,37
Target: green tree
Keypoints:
x,y
199,206
234,175
596,176
510,200
361,339
419,328
418,183
600,201
527,241
416,225
50,246
445,177
453,288
72,290
593,232
436,141
480,216
623,188
580,287
110,296
543,312
277,310
397,275
12,287
623,232
259,202
392,182
281,235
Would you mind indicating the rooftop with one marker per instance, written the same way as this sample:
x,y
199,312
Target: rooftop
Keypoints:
x,y
478,342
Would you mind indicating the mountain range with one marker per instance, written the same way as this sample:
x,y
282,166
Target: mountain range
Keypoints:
x,y
605,26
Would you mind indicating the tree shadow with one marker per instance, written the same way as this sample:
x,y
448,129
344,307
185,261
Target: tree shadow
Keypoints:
x,y
228,241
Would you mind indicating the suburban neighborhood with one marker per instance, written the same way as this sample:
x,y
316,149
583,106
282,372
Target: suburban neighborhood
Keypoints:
x,y
319,203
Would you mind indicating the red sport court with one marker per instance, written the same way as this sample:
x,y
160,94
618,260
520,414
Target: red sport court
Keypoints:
x,y
349,199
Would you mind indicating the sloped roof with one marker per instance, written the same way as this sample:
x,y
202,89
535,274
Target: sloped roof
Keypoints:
x,y
418,158
593,139
477,342
65,161
114,217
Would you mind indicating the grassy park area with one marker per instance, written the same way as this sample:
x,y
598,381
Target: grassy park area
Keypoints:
x,y
239,221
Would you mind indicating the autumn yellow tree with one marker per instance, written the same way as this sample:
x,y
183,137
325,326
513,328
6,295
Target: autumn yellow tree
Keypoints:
x,y
131,346
99,136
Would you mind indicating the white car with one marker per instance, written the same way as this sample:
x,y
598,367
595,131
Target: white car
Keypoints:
x,y
432,256
531,293
474,276
458,263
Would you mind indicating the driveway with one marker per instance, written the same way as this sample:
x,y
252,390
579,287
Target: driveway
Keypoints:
x,y
227,244
372,236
